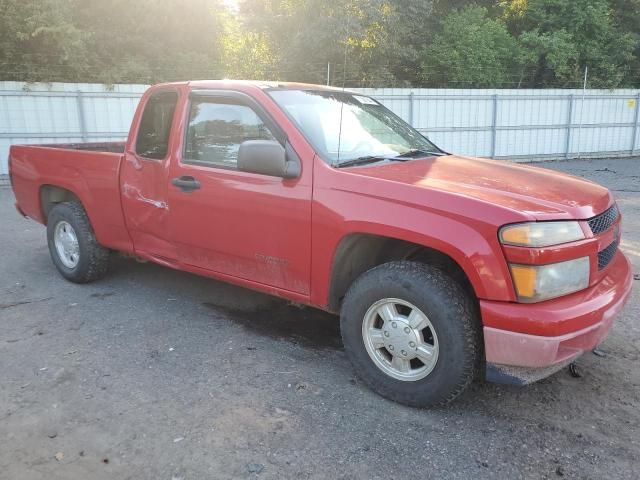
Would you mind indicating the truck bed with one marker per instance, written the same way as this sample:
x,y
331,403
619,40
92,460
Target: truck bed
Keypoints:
x,y
88,171
110,147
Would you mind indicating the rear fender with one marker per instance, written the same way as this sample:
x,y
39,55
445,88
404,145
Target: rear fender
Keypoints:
x,y
69,179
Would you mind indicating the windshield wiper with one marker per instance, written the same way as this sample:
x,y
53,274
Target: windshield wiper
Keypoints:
x,y
403,157
417,152
362,161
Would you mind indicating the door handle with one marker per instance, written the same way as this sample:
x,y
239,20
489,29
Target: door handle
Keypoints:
x,y
186,183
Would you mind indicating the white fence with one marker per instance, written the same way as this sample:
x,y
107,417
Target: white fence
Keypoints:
x,y
64,113
517,124
522,124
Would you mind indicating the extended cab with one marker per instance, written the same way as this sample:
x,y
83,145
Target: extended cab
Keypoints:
x,y
437,264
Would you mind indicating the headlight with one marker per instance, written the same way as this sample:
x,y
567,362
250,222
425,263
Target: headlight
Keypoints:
x,y
534,283
541,234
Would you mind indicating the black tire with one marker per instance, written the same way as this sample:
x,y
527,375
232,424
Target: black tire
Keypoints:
x,y
93,261
450,310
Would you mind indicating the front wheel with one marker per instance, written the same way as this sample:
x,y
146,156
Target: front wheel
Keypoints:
x,y
73,246
411,333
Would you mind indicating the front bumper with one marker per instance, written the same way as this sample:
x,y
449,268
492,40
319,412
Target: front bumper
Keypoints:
x,y
543,337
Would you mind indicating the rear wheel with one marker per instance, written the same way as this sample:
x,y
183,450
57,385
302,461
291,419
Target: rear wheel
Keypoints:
x,y
73,246
411,333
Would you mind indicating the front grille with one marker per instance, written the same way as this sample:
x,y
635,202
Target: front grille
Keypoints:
x,y
605,256
601,223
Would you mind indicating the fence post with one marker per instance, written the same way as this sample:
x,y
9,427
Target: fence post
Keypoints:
x,y
567,147
634,139
81,117
494,125
411,122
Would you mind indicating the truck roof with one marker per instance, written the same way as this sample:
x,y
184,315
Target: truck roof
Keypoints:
x,y
261,84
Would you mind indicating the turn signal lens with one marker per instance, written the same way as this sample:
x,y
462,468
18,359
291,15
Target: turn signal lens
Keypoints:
x,y
534,283
524,278
541,234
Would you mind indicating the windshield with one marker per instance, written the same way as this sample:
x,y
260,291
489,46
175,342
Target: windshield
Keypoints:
x,y
368,130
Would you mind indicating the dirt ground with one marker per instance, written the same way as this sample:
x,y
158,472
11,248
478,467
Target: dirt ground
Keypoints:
x,y
158,374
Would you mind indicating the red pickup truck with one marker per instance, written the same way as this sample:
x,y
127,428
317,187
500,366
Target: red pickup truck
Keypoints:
x,y
442,268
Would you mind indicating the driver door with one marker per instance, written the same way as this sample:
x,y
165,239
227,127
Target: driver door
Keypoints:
x,y
245,225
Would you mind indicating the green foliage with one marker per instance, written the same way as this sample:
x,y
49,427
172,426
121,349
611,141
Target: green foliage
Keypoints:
x,y
472,50
561,37
458,43
626,15
109,41
151,40
36,37
309,34
247,54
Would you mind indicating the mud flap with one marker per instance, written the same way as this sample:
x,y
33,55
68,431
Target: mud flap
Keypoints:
x,y
520,376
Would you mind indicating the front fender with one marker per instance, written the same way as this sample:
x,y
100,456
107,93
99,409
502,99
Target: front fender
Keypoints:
x,y
472,244
481,260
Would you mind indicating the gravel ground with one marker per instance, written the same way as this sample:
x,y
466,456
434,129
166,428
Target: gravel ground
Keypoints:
x,y
158,374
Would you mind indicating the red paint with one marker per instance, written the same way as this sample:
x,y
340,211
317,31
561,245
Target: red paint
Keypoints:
x,y
558,330
280,236
565,314
92,176
145,191
589,247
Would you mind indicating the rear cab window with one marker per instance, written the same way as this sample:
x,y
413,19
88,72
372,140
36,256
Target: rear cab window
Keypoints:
x,y
155,125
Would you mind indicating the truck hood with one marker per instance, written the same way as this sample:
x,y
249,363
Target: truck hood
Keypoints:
x,y
540,193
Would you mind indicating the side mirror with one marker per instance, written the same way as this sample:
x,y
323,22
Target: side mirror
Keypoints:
x,y
267,157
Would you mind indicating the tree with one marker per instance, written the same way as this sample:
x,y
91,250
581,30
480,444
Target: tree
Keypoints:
x,y
308,34
626,15
36,39
482,43
151,40
563,36
247,54
109,41
472,50
410,25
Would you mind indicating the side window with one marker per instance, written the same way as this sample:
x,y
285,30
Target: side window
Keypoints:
x,y
155,125
217,128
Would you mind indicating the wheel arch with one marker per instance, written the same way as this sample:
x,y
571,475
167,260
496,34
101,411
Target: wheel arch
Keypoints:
x,y
358,252
51,195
